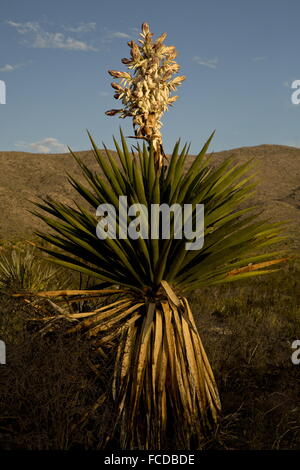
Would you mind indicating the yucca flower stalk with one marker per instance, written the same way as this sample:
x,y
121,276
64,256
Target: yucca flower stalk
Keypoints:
x,y
163,384
147,95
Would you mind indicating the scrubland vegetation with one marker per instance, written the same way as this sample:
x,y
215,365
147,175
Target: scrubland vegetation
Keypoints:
x,y
55,390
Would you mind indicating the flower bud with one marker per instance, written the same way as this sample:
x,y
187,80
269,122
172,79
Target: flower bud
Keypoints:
x,y
176,82
180,79
145,28
126,61
112,112
174,67
172,56
172,100
117,87
157,48
167,50
160,39
167,75
135,52
116,74
148,38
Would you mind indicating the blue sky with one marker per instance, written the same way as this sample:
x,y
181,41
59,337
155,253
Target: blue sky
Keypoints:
x,y
240,59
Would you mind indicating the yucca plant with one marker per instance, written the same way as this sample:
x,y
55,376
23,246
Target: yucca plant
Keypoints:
x,y
163,384
22,267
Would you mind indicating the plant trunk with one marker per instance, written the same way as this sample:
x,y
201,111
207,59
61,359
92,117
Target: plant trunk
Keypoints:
x,y
163,385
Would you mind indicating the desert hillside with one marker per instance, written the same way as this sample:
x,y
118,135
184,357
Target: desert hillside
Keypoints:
x,y
27,176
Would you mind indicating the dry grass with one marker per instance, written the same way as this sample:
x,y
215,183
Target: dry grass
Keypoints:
x,y
49,387
247,330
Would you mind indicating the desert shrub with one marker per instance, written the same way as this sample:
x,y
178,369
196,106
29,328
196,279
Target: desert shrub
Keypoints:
x,y
22,268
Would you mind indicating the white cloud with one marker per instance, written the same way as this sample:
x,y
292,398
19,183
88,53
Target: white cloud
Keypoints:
x,y
293,143
43,39
258,58
10,67
47,145
118,34
211,63
59,41
109,36
81,28
135,30
24,28
35,35
7,68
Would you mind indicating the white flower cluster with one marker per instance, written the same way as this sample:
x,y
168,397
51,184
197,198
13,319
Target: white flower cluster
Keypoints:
x,y
146,94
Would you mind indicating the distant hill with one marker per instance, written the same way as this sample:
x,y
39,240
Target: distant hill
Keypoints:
x,y
26,176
